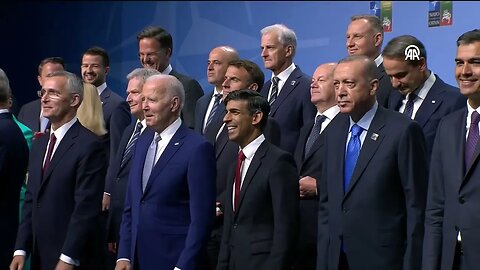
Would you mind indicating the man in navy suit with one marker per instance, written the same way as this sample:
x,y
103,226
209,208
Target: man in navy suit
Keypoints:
x,y
95,67
308,157
170,201
30,113
288,91
210,108
13,168
261,208
372,191
365,37
60,225
452,222
421,94
155,47
119,167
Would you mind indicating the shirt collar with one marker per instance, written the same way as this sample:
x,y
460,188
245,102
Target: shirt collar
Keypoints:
x,y
330,113
61,131
101,88
250,149
470,110
283,76
167,71
168,133
4,110
423,91
379,60
366,119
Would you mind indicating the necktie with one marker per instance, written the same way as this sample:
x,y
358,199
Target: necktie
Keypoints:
x,y
472,139
53,140
353,150
150,160
315,133
238,179
213,111
409,106
131,144
273,95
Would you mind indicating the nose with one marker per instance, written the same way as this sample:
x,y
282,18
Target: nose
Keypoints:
x,y
226,83
395,82
264,52
226,118
466,69
350,42
210,66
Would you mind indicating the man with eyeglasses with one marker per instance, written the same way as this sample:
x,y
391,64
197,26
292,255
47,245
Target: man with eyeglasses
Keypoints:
x,y
155,47
365,37
30,113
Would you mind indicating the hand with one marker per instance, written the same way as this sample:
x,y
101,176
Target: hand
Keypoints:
x,y
17,262
308,187
123,265
105,202
112,247
218,211
61,265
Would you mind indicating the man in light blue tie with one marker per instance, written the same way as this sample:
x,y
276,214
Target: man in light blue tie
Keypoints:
x,y
170,199
374,180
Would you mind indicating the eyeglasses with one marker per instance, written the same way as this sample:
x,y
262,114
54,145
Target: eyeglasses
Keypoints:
x,y
53,94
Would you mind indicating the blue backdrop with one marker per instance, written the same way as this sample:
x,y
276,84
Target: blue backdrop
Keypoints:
x,y
31,31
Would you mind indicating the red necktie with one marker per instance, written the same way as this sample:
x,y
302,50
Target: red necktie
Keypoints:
x,y
238,179
53,139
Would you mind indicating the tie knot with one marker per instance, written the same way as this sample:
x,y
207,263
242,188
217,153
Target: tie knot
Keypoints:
x,y
217,96
139,126
320,119
157,138
475,118
356,130
241,156
411,97
52,137
275,80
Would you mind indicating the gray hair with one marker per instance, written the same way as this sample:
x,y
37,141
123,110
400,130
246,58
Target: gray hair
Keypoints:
x,y
142,73
5,91
174,87
370,69
74,83
286,35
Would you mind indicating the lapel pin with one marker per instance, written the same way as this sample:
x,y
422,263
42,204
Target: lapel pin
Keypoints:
x,y
433,101
293,82
374,136
176,143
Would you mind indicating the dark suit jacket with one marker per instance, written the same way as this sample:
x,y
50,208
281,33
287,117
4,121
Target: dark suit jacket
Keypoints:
x,y
62,210
201,110
310,165
453,198
30,115
385,87
380,217
116,185
193,91
13,168
168,225
116,114
261,233
292,108
442,99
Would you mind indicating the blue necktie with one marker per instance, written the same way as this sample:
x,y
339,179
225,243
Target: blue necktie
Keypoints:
x,y
131,144
213,111
409,106
150,160
353,150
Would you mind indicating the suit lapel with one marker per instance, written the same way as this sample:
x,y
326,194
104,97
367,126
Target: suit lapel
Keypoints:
x,y
372,141
252,170
212,129
221,142
124,143
172,147
431,103
476,153
105,96
288,87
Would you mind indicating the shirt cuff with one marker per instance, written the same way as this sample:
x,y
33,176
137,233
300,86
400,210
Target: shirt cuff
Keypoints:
x,y
106,193
64,258
123,259
176,268
20,252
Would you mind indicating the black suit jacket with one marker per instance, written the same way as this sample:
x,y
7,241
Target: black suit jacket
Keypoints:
x,y
442,99
30,115
453,198
13,168
261,233
116,114
380,217
292,108
201,110
310,165
385,87
62,210
193,91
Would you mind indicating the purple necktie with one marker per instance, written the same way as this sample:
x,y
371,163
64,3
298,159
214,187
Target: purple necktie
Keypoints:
x,y
472,139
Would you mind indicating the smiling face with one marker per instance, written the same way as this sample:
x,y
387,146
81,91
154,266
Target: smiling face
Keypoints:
x,y
134,97
467,72
362,40
152,55
355,93
160,106
93,69
58,103
240,122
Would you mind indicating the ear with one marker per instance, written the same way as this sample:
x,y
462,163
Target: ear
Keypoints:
x,y
289,51
373,87
107,69
257,117
253,86
378,37
168,52
175,104
422,65
39,80
75,100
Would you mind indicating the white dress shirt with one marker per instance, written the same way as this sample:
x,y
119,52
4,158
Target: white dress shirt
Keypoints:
x,y
421,94
210,106
329,114
364,123
283,76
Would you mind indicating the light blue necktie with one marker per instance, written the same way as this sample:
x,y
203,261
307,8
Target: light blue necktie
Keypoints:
x,y
351,156
213,111
150,160
131,144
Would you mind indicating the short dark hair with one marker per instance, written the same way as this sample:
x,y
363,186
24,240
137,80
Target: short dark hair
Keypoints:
x,y
373,20
161,35
395,48
5,91
53,60
95,50
469,37
256,103
371,70
256,74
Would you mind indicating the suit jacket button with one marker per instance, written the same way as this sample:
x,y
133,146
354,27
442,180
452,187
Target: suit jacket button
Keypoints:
x,y
142,202
118,179
235,225
456,228
461,200
345,210
38,205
